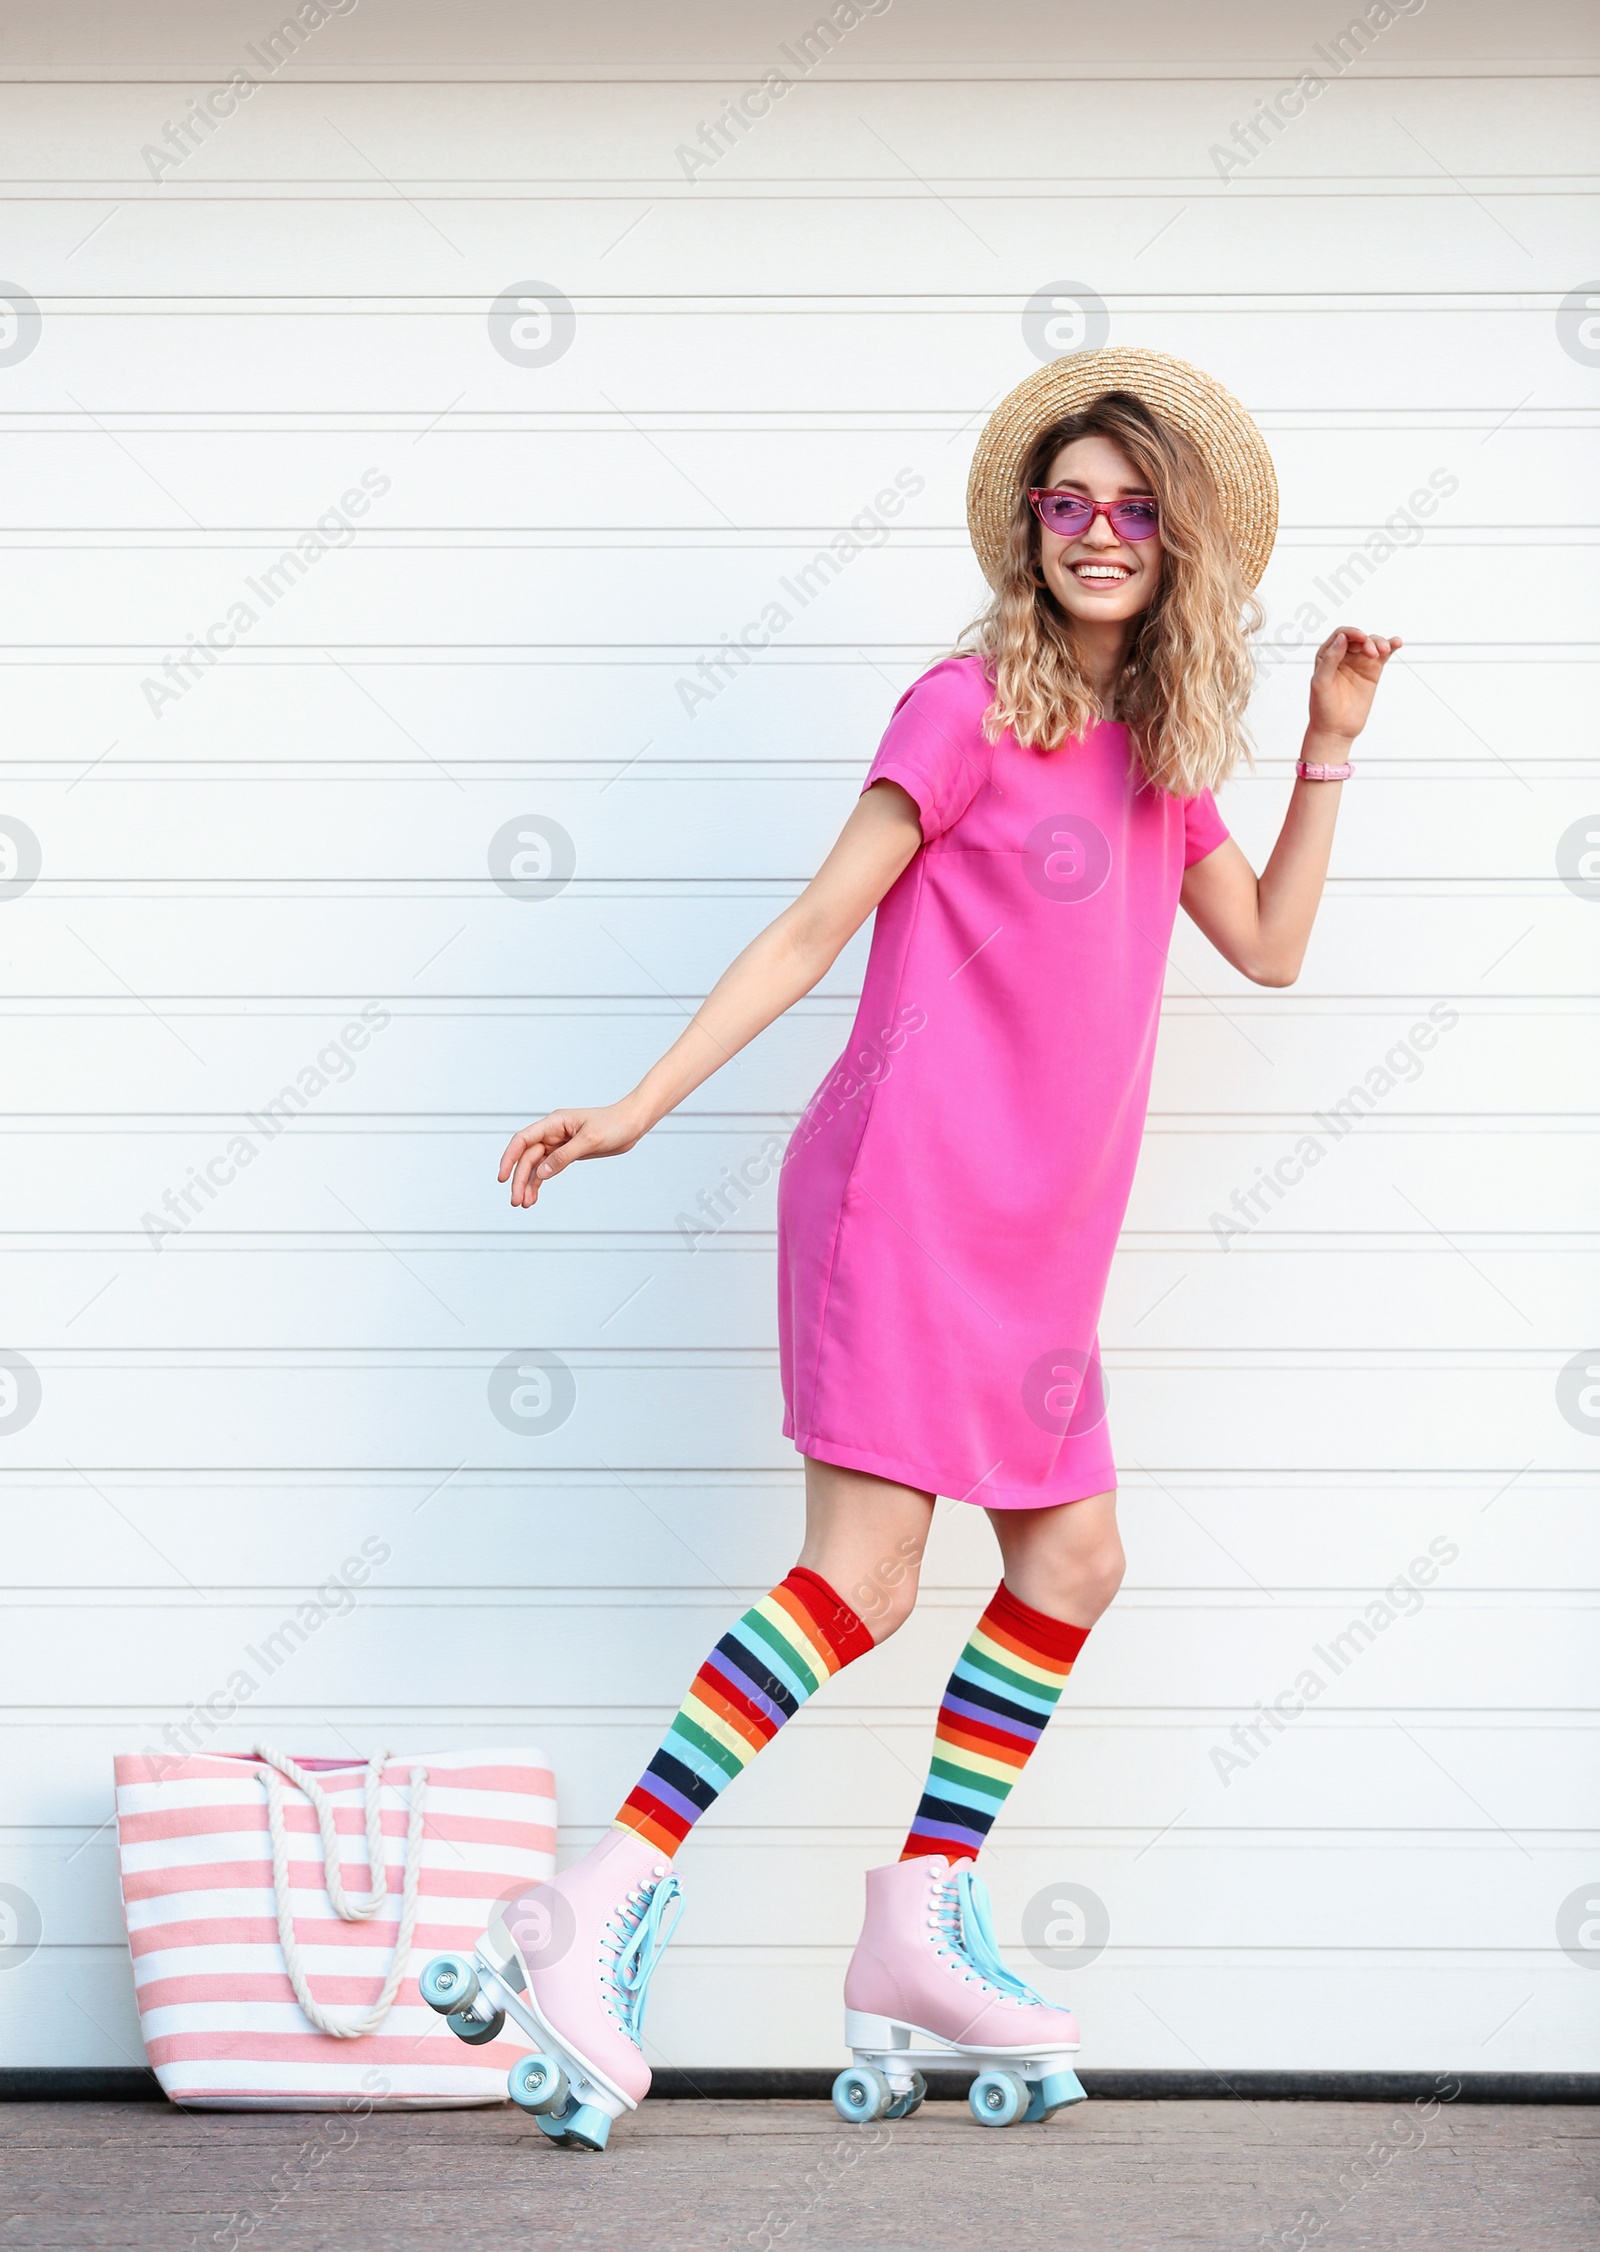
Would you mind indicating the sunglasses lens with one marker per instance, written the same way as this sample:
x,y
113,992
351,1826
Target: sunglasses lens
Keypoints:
x,y
1064,513
1135,519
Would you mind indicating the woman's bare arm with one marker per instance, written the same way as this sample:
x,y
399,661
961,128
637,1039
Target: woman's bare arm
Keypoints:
x,y
789,957
1262,925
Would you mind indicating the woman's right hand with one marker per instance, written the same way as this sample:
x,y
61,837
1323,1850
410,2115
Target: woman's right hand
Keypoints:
x,y
549,1146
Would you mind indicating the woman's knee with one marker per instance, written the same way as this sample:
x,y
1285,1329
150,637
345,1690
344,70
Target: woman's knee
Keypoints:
x,y
884,1596
882,1591
1099,1576
865,1537
1076,1584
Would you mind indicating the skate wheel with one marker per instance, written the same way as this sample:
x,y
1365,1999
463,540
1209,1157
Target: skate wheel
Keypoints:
x,y
1052,2094
998,2099
903,2106
575,2126
861,2093
473,2030
588,2128
539,2085
449,1984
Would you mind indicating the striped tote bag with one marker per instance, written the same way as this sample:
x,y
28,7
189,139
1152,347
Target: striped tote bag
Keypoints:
x,y
279,1912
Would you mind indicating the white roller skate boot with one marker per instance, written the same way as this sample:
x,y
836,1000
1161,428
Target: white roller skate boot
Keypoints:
x,y
926,1989
570,1963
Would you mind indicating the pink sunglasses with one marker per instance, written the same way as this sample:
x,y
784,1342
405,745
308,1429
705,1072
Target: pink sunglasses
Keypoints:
x,y
1069,515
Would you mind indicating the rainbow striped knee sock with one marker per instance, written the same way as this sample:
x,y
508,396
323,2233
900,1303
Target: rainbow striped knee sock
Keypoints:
x,y
1002,1692
757,1677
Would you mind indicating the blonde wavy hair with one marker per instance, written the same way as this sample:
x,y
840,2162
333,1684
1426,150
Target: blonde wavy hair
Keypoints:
x,y
1187,679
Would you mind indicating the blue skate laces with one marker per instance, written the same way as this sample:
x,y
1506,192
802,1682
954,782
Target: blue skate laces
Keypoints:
x,y
635,1927
966,1923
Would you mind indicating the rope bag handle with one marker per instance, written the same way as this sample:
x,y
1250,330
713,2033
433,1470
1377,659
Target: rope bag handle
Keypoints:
x,y
278,1767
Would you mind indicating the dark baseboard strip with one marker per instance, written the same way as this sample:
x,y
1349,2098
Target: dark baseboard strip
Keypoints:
x,y
129,2084
79,2083
1257,2087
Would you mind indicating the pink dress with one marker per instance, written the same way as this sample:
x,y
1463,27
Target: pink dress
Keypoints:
x,y
951,1199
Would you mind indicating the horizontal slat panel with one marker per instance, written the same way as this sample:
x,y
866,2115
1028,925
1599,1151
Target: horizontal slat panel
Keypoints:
x,y
356,939
608,138
1143,1656
579,480
373,598
493,1057
354,1286
359,838
1188,1536
313,1408
708,40
611,712
1349,1780
1252,1899
711,2007
1011,242
80,1179
961,345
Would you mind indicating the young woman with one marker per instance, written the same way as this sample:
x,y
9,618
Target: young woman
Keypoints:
x,y
1039,808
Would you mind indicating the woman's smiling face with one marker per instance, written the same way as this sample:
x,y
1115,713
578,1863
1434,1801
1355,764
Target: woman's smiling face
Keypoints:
x,y
1099,577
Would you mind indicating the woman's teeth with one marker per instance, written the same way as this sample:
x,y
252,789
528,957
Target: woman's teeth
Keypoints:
x,y
1101,574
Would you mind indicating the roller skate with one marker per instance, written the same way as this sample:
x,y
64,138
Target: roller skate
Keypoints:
x,y
926,1989
570,1964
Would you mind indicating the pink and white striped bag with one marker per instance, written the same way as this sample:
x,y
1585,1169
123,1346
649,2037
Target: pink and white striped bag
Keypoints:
x,y
266,1981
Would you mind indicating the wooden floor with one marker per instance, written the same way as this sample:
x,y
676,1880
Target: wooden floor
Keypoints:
x,y
1104,2177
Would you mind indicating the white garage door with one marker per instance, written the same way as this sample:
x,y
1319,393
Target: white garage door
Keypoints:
x,y
415,697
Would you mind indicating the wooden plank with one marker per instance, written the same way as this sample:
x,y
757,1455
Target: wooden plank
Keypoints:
x,y
1431,2174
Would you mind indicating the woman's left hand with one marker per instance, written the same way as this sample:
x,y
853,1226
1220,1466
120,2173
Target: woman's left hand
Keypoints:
x,y
1344,680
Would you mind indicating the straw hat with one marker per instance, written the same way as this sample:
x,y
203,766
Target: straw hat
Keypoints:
x,y
1183,395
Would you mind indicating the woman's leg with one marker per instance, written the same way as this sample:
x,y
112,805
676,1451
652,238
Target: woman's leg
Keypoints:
x,y
1062,1567
856,1581
865,1537
1066,1561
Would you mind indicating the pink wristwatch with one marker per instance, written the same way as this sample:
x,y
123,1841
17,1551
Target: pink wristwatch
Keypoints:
x,y
1307,773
